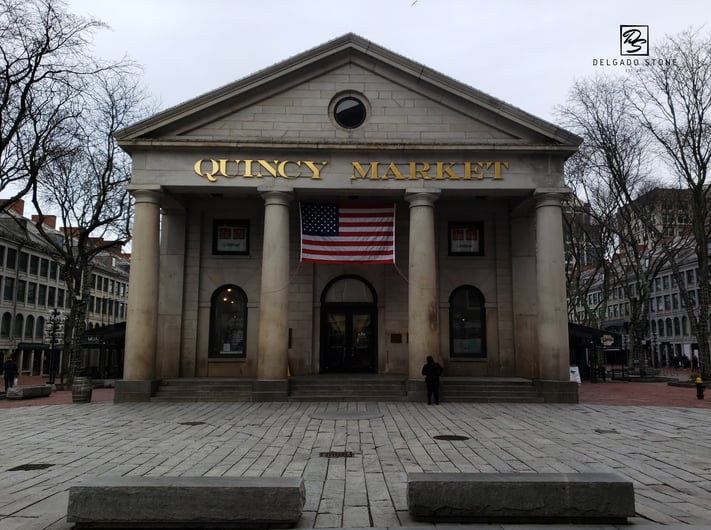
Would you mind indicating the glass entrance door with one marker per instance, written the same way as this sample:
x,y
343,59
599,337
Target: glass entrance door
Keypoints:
x,y
348,341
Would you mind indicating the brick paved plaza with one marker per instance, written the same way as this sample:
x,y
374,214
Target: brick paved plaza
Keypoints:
x,y
664,450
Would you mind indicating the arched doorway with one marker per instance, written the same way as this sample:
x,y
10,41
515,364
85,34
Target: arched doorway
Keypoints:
x,y
349,335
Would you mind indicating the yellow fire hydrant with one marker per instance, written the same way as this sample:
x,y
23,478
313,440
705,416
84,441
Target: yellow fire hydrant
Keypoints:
x,y
699,388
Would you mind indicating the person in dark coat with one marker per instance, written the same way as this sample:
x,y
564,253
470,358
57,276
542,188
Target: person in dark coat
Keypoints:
x,y
432,370
10,371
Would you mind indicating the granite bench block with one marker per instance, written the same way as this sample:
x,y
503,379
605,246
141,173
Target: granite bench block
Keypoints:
x,y
186,502
28,391
520,497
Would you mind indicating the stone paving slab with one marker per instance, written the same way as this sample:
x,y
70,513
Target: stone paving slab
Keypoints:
x,y
664,451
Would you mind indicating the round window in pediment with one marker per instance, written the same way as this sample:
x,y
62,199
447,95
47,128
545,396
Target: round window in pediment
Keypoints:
x,y
349,112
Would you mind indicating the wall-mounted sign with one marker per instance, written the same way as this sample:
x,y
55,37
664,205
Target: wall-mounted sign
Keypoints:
x,y
230,237
466,239
214,169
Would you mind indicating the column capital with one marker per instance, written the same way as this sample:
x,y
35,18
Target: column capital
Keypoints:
x,y
143,195
421,197
278,196
550,196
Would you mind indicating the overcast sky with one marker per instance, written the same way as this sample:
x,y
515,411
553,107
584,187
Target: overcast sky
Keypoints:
x,y
527,53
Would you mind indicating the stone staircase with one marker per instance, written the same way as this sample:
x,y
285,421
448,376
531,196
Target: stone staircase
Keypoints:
x,y
488,390
204,389
350,387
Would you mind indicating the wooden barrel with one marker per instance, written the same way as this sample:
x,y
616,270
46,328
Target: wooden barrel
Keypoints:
x,y
81,390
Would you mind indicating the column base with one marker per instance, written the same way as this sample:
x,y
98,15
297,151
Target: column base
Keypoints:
x,y
416,390
135,391
557,391
271,390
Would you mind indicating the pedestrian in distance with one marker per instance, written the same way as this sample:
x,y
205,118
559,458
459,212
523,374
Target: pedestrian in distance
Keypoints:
x,y
10,371
432,370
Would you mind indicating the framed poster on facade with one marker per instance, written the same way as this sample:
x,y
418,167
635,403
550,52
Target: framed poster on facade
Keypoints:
x,y
466,239
230,237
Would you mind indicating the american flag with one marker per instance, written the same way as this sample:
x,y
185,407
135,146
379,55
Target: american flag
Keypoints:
x,y
332,233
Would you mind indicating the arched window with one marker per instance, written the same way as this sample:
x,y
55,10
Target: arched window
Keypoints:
x,y
5,326
677,326
660,327
684,325
29,326
670,331
39,329
228,322
467,323
654,327
18,326
348,289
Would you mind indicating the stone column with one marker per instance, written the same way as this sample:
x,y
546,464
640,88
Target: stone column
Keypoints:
x,y
170,294
272,383
422,305
142,312
550,275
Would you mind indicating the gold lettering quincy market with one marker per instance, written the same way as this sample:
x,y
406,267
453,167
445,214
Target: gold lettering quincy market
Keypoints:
x,y
430,171
211,169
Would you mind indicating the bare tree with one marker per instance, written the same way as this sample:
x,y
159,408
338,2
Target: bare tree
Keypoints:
x,y
59,110
44,65
87,187
673,103
610,176
585,241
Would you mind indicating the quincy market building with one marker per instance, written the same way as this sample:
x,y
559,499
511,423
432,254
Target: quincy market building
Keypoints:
x,y
346,211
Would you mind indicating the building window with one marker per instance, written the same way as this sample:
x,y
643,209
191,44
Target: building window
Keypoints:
x,y
51,296
60,298
21,290
349,111
11,258
466,239
31,293
53,270
230,236
44,267
29,326
24,259
39,328
18,326
9,290
41,294
228,322
34,265
5,325
467,323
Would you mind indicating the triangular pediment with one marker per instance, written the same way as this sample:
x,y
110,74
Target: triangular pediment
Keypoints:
x,y
407,104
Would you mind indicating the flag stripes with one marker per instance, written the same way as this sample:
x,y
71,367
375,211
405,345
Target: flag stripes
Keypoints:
x,y
347,234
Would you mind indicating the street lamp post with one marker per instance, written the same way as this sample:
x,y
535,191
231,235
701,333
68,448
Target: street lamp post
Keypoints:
x,y
55,330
